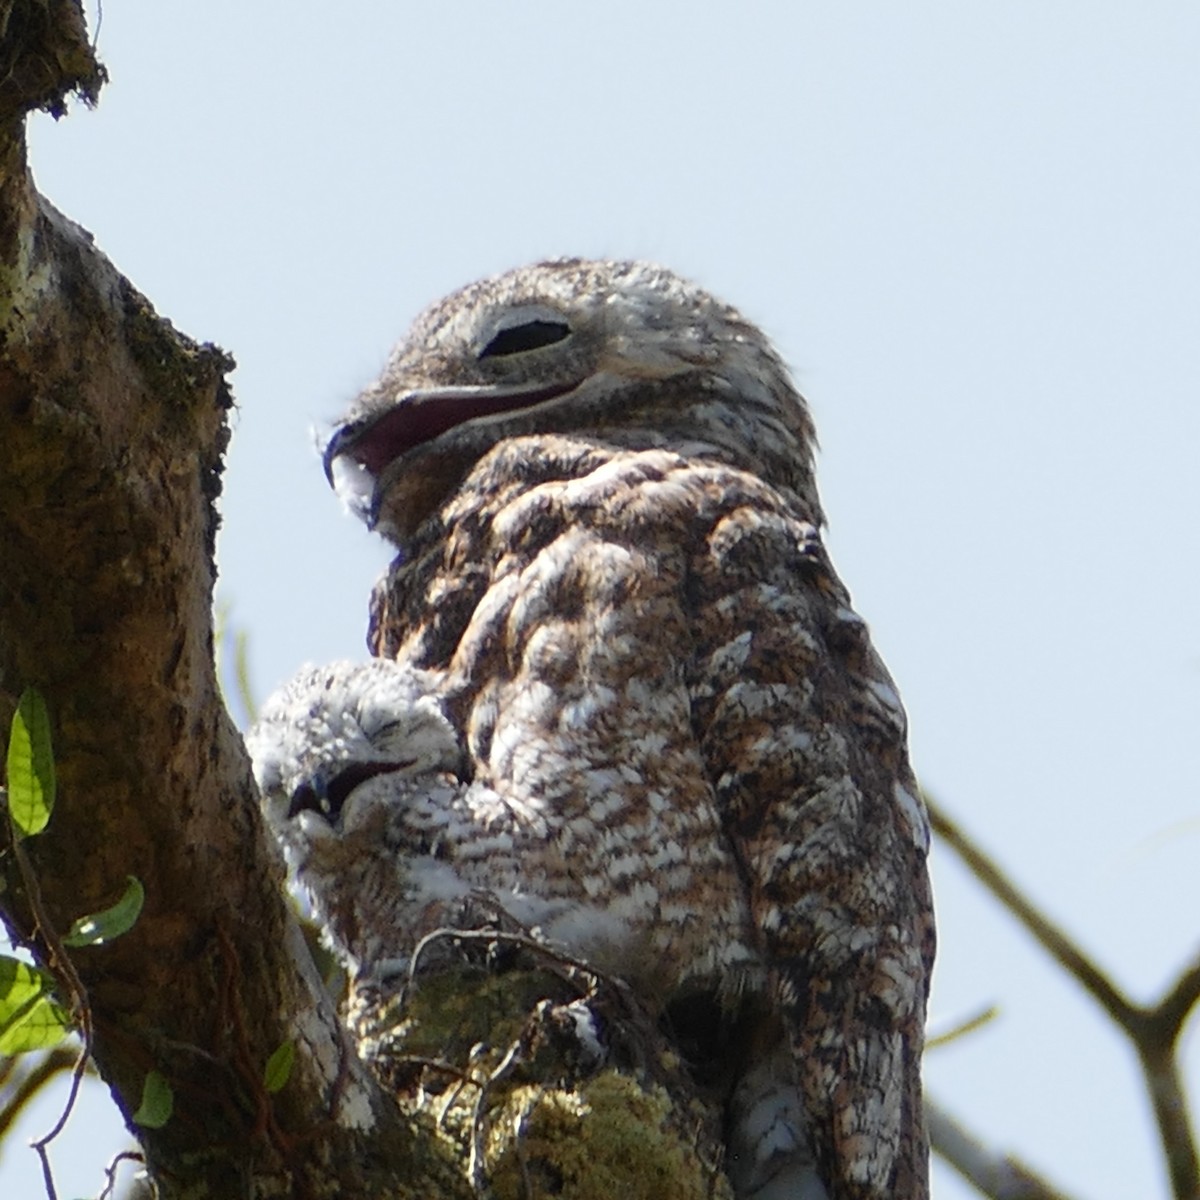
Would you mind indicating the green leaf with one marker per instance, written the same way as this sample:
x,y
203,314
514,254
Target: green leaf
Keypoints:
x,y
19,983
279,1067
30,765
30,1019
98,928
158,1102
44,1024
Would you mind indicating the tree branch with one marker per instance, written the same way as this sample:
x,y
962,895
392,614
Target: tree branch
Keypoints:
x,y
1173,1010
1154,1031
1052,939
1000,1176
20,1082
112,431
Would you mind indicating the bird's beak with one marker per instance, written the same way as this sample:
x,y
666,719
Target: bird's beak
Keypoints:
x,y
327,794
312,795
343,438
417,417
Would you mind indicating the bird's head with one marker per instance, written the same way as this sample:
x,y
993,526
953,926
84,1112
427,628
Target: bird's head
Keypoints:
x,y
331,730
572,347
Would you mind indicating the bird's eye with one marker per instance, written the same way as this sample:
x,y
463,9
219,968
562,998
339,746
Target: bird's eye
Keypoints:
x,y
384,732
531,335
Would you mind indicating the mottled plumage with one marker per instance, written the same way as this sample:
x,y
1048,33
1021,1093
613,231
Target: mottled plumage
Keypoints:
x,y
670,729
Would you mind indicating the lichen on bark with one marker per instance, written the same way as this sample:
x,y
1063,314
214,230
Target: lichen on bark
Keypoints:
x,y
113,428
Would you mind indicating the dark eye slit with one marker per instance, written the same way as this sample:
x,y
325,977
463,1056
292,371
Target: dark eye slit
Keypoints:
x,y
530,336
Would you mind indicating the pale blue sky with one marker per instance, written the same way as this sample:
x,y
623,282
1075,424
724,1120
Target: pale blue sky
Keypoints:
x,y
972,229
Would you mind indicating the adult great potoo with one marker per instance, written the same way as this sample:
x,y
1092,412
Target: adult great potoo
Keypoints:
x,y
611,571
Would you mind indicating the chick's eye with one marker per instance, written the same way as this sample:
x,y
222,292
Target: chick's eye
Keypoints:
x,y
384,732
532,335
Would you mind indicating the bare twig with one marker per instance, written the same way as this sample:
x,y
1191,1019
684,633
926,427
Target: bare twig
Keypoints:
x,y
45,1067
1160,1068
985,1016
1052,939
110,1188
1000,1176
64,971
1176,1006
440,1065
1154,1030
523,940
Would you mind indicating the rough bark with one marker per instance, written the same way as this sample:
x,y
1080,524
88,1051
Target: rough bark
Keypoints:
x,y
112,430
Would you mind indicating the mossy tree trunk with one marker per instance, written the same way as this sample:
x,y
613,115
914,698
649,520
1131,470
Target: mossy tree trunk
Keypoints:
x,y
112,430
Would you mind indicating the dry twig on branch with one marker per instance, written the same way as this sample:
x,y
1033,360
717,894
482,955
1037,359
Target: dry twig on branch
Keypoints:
x,y
1154,1030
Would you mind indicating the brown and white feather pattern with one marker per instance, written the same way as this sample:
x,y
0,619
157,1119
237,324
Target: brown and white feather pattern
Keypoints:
x,y
613,578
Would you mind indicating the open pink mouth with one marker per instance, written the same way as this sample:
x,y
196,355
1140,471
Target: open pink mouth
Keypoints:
x,y
423,416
